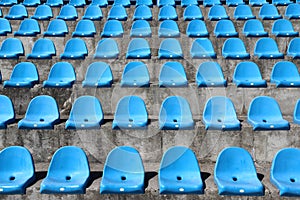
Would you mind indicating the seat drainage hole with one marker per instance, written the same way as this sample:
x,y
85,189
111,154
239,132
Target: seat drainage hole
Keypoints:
x,y
179,178
292,180
130,120
265,121
12,178
219,120
85,120
123,178
234,178
42,120
175,120
68,178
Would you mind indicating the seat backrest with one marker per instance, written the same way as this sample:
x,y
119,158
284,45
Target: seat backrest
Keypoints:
x,y
144,2
242,10
117,10
193,10
30,25
5,25
54,3
100,3
167,10
266,45
268,9
97,71
185,3
107,45
31,3
6,107
171,45
12,45
216,11
142,10
58,25
135,72
234,45
175,106
246,69
209,71
77,3
168,25
76,45
292,10
25,70
282,25
43,10
172,71
294,46
17,9
113,26
264,106
85,25
162,3
224,26
253,25
139,27
93,10
68,10
137,44
44,45
211,2
62,70
284,70
202,45
196,25
124,3
131,107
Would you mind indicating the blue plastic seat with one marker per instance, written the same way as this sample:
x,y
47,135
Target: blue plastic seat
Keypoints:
x,y
167,12
28,27
175,113
243,12
84,28
131,113
175,176
148,3
269,12
209,3
11,48
123,172
86,113
16,170
292,11
68,172
202,48
98,74
17,12
135,74
75,48
234,2
209,74
117,12
217,12
172,74
93,12
140,28
138,48
234,48
162,3
266,48
68,12
112,28
125,3
77,3
57,28
294,48
264,114
281,2
100,3
31,3
285,74
257,2
42,113
247,74
7,113
107,49
5,27
24,74
43,48
235,173
61,75
186,3
142,12
168,28
192,12
54,3
42,12
170,48
283,28
297,113
225,28
254,28
197,28
219,114
8,2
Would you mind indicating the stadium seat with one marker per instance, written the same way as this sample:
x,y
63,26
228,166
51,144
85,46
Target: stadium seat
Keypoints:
x,y
97,75
254,28
5,27
293,11
285,74
43,48
100,3
75,48
93,12
168,28
209,3
117,12
234,48
162,3
16,170
175,176
112,28
172,74
68,172
281,2
86,113
225,28
142,12
186,3
7,113
54,3
167,12
31,3
257,2
140,28
266,48
42,12
42,113
283,28
209,74
192,12
269,12
138,48
135,74
123,172
202,48
17,12
61,75
77,3
217,12
247,74
294,48
170,48
235,173
28,27
234,2
197,28
125,3
84,28
297,113
130,113
107,49
8,3
175,113
148,3
285,172
264,114
219,114
11,48
24,74
57,28
68,12
243,12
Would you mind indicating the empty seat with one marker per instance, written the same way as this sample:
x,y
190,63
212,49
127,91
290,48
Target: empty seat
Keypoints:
x,y
264,114
175,113
297,112
269,12
266,48
86,113
219,114
100,3
125,3
112,28
123,172
24,74
31,3
68,12
42,113
285,74
217,12
172,74
28,27
138,48
57,28
42,12
16,170
281,2
98,74
5,27
292,11
148,3
294,48
11,48
135,74
107,49
168,28
234,2
61,75
17,12
68,172
117,12
202,48
185,3
140,28
247,74
254,28
209,3
93,12
235,173
209,74
7,113
84,28
167,12
192,12
162,3
170,48
142,12
75,48
283,28
130,113
234,48
54,3
197,28
8,2
257,2
77,3
175,176
225,28
243,12
43,48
